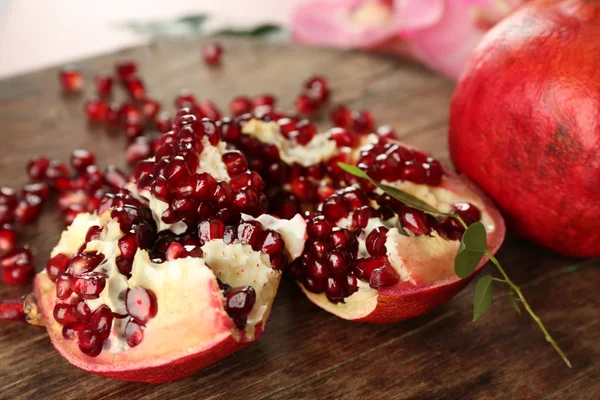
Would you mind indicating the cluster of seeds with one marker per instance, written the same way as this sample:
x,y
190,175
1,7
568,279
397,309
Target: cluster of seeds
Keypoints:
x,y
331,262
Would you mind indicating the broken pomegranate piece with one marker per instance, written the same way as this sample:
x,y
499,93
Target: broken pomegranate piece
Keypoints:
x,y
371,258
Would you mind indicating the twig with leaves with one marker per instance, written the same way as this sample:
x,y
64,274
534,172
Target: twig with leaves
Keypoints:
x,y
473,247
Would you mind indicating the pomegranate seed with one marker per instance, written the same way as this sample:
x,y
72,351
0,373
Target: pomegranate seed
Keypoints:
x,y
185,98
174,251
250,232
240,105
334,290
133,129
272,242
56,266
230,130
235,162
70,79
135,87
468,212
339,262
415,221
81,159
134,333
303,189
223,195
71,331
141,304
37,189
18,276
138,150
89,286
319,227
8,239
28,209
360,217
385,131
363,122
150,109
318,88
383,276
341,117
164,122
84,263
342,239
115,177
246,200
63,314
343,137
413,172
375,241
128,112
103,84
56,169
81,310
124,265
209,230
365,266
266,100
16,257
101,321
88,340
63,287
36,168
247,179
125,69
207,109
334,209
305,104
240,300
128,245
212,53
96,109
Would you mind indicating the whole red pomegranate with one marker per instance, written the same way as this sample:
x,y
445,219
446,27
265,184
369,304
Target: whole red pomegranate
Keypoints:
x,y
525,123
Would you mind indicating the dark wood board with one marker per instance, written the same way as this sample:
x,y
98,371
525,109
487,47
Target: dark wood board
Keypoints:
x,y
305,352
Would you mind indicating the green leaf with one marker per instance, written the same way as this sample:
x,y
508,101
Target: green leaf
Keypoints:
x,y
257,31
475,238
466,261
513,301
483,296
396,193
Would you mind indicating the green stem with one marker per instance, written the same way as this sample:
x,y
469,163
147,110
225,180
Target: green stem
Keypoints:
x,y
517,290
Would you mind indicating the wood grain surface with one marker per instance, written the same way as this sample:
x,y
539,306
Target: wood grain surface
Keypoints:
x,y
307,353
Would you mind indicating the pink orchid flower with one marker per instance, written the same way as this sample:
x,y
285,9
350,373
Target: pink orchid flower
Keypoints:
x,y
440,33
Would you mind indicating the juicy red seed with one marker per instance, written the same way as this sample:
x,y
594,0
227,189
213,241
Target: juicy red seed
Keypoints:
x,y
272,242
250,232
89,286
303,189
160,189
363,122
115,177
339,262
354,197
93,352
81,159
185,98
212,53
468,212
96,109
101,321
125,69
133,129
56,266
81,310
56,169
150,109
433,172
128,245
264,100
70,213
385,131
7,214
223,195
314,285
229,216
164,122
71,331
235,162
240,300
141,304
8,238
247,179
360,217
18,276
306,132
93,233
203,186
319,248
375,241
365,266
174,251
383,276
342,238
88,340
63,314
138,150
28,209
230,130
341,117
334,209
128,112
63,287
319,227
70,79
124,265
134,333
413,172
135,87
246,200
334,289
37,189
209,230
16,257
415,221
84,263
343,137
240,105
36,168
306,104
208,109
103,84
8,197
351,284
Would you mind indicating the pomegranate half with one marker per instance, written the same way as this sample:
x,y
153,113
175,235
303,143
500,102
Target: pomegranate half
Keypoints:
x,y
524,123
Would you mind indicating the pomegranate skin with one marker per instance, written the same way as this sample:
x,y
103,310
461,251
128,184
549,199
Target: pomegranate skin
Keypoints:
x,y
524,123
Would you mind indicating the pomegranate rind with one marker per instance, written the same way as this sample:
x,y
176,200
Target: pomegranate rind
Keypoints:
x,y
214,344
404,300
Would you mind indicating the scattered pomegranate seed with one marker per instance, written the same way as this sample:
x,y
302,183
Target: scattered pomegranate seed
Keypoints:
x,y
240,105
56,266
134,334
115,177
135,87
138,150
96,109
306,104
81,159
103,84
89,286
212,53
150,109
8,238
28,209
36,168
141,304
125,69
70,79
164,122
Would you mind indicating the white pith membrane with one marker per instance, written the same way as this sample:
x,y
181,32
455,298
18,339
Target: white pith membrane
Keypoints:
x,y
320,148
420,261
190,302
210,161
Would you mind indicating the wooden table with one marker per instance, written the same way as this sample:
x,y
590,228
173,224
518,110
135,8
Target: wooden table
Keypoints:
x,y
306,352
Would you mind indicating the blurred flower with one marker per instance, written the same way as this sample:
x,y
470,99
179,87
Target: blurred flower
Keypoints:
x,y
440,33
